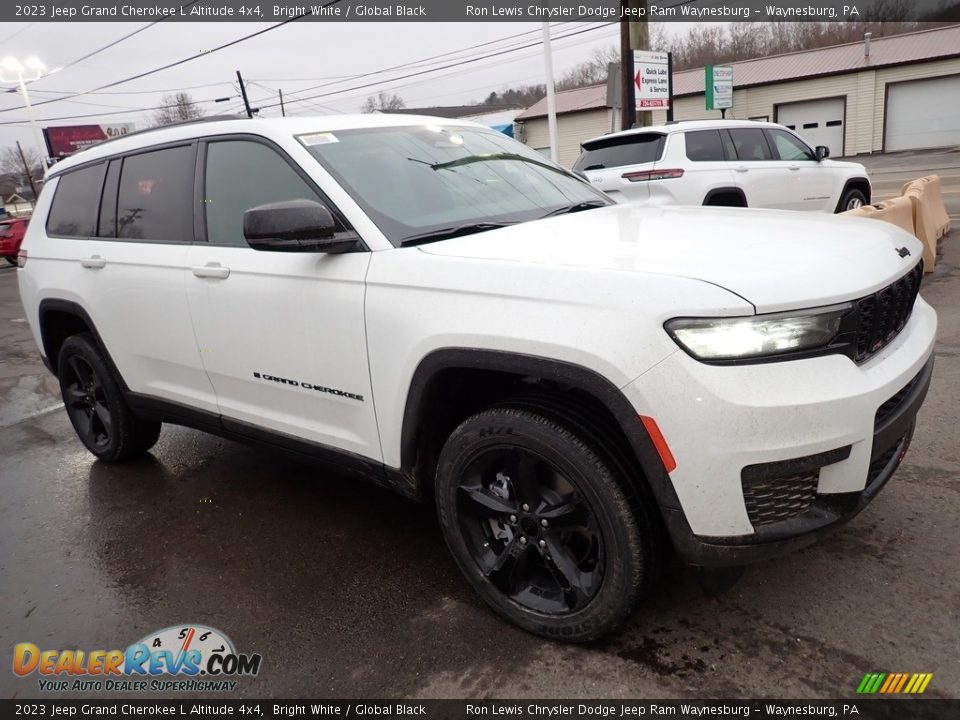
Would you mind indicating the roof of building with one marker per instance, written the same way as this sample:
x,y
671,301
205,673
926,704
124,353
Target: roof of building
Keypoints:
x,y
919,46
454,111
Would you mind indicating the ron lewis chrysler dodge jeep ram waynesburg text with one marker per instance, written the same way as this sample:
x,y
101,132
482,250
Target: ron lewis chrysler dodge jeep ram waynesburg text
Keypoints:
x,y
579,386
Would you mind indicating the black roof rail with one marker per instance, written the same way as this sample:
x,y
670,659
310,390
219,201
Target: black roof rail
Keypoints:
x,y
194,121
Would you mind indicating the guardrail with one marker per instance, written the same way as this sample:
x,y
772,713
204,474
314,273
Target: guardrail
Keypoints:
x,y
919,210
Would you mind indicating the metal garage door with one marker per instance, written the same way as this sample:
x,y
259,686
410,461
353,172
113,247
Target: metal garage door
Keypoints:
x,y
923,114
819,122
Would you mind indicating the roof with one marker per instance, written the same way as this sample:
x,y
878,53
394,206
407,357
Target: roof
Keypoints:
x,y
455,111
920,46
683,126
288,126
568,101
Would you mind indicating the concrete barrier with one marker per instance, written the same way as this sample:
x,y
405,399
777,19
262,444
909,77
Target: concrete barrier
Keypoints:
x,y
931,198
924,222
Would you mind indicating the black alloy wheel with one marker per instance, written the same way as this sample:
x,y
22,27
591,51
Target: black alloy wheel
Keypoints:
x,y
530,531
86,403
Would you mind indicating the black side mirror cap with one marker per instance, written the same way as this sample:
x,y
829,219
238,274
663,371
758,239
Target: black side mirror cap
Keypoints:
x,y
294,226
823,152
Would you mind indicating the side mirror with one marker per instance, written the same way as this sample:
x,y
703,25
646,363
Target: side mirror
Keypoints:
x,y
823,152
293,226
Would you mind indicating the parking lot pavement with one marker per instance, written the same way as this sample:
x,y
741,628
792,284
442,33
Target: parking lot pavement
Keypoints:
x,y
348,591
889,172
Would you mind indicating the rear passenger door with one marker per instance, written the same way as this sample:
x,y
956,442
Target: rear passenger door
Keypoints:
x,y
755,171
282,334
120,230
708,169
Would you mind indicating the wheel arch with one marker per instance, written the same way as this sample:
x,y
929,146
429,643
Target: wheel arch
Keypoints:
x,y
729,191
855,183
59,319
513,371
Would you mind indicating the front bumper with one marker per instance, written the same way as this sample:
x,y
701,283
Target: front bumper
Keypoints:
x,y
826,421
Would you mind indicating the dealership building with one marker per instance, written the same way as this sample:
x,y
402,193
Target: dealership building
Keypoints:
x,y
881,95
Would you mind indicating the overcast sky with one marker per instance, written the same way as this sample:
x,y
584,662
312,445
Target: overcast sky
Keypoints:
x,y
294,57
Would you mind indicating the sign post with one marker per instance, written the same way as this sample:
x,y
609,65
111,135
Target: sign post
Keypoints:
x,y
718,84
652,79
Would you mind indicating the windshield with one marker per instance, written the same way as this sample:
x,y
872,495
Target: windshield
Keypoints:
x,y
427,182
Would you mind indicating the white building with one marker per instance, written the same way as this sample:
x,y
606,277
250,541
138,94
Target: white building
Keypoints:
x,y
893,93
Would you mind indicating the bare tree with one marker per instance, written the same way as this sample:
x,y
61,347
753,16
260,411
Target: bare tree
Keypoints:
x,y
11,165
591,71
383,101
175,108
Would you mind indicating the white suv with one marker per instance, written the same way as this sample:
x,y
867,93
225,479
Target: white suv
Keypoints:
x,y
736,163
578,385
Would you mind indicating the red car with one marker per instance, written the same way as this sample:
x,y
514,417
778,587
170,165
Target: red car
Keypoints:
x,y
12,231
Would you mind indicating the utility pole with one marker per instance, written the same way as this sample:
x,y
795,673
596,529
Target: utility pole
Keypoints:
x,y
283,110
551,99
243,92
627,96
26,168
640,40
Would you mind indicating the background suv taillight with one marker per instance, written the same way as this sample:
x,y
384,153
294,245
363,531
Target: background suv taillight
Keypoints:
x,y
645,175
21,258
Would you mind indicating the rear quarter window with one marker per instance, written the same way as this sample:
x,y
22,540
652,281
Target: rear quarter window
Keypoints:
x,y
73,212
620,151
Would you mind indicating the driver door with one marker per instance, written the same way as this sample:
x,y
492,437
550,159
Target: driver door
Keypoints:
x,y
281,334
808,183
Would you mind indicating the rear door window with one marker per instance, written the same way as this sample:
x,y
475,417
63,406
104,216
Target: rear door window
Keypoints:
x,y
750,144
613,152
74,209
705,146
155,199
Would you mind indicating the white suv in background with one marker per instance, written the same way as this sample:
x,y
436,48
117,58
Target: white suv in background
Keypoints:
x,y
739,163
577,385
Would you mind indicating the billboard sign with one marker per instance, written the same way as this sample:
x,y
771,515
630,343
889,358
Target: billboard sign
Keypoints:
x,y
652,78
719,87
66,140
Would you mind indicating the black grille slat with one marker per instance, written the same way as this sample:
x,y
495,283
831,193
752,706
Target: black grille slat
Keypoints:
x,y
881,463
883,315
775,499
889,407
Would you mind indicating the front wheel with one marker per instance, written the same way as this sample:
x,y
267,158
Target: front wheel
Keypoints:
x,y
852,199
541,526
95,405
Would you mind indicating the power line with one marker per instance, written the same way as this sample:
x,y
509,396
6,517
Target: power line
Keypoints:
x,y
17,32
131,92
17,123
184,60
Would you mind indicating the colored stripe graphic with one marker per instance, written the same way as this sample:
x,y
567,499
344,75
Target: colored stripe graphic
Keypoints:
x,y
894,683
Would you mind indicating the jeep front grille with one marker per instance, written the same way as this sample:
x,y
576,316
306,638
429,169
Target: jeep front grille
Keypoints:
x,y
885,313
774,499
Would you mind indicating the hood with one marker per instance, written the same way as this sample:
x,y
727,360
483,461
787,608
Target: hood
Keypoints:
x,y
776,260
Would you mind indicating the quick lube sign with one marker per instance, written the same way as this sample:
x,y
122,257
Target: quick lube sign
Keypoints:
x,y
718,83
652,78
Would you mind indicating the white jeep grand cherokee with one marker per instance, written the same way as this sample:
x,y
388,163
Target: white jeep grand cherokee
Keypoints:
x,y
733,163
578,385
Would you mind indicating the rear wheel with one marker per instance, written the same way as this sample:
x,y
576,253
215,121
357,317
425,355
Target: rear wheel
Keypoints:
x,y
12,261
541,526
95,405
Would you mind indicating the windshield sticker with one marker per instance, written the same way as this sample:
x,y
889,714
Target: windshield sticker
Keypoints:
x,y
318,139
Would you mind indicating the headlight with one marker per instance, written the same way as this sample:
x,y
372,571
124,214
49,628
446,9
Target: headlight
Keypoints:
x,y
757,336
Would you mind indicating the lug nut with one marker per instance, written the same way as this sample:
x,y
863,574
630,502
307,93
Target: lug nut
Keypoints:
x,y
513,518
543,543
544,522
523,540
526,507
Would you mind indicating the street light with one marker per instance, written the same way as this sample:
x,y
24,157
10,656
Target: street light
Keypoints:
x,y
21,73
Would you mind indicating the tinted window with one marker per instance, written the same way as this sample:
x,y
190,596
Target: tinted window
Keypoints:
x,y
231,191
790,147
704,146
74,209
619,151
750,144
155,201
108,203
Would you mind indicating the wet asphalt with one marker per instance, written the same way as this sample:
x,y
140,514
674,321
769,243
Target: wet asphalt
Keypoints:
x,y
347,590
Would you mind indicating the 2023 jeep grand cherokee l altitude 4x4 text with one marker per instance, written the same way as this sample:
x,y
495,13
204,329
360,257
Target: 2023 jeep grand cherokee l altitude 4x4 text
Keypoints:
x,y
578,385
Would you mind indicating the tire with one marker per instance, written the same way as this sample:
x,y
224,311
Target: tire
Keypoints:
x,y
852,199
505,472
95,405
12,261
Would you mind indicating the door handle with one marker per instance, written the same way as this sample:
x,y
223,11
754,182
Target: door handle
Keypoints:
x,y
794,167
94,262
741,168
211,270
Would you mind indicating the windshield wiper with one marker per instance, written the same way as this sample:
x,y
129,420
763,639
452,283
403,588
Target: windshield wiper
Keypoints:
x,y
576,207
452,232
